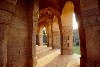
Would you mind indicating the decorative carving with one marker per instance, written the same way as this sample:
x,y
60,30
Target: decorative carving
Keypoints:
x,y
90,12
91,21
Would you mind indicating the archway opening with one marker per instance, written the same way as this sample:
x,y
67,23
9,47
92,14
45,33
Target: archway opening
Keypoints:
x,y
44,36
76,39
70,37
69,30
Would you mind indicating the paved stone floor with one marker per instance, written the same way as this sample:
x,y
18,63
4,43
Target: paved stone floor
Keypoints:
x,y
47,57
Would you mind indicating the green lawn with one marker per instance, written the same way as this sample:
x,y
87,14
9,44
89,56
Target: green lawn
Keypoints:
x,y
77,49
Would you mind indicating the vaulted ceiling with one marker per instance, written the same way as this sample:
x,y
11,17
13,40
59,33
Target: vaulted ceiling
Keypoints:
x,y
49,8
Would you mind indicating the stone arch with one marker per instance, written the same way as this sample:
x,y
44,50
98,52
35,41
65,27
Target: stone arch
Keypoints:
x,y
79,19
54,12
13,1
56,40
67,29
77,11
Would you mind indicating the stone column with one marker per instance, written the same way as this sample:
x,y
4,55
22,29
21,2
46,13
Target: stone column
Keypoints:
x,y
35,23
83,58
93,46
67,29
67,40
82,35
55,33
3,45
91,23
49,35
7,8
33,14
37,40
40,36
40,40
56,39
50,40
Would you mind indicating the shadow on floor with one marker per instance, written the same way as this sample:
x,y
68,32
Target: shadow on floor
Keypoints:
x,y
47,57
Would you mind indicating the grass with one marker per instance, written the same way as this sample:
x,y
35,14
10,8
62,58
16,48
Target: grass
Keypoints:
x,y
77,49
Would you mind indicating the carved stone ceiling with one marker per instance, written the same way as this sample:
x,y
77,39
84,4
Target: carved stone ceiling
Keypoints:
x,y
55,5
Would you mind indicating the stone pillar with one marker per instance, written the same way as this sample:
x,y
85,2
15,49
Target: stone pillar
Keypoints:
x,y
82,35
40,36
55,33
50,40
67,41
49,35
93,53
67,29
56,39
35,23
40,40
3,45
83,58
91,23
7,8
32,29
37,40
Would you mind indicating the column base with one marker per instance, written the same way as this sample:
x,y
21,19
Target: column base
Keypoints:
x,y
83,62
32,62
56,47
40,45
49,45
92,64
66,52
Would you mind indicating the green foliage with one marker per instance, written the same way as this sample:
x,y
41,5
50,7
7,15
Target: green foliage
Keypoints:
x,y
44,38
77,44
77,49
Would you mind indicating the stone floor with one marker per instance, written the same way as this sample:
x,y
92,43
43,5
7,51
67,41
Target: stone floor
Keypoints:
x,y
47,57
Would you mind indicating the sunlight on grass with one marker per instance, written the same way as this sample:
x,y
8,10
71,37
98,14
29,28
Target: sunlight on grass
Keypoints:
x,y
77,49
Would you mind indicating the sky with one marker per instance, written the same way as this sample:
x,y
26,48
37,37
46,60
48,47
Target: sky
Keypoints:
x,y
75,25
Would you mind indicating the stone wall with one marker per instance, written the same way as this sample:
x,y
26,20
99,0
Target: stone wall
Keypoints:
x,y
3,45
14,34
91,23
